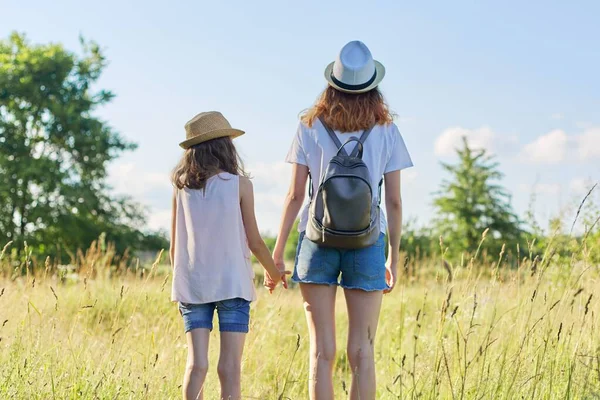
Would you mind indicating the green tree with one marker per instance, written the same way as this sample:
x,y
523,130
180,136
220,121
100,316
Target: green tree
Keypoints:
x,y
417,242
292,244
54,151
471,201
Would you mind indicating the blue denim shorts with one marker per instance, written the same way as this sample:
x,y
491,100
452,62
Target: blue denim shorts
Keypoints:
x,y
360,269
234,315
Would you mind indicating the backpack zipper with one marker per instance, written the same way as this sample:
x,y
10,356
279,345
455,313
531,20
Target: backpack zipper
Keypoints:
x,y
347,176
323,229
357,165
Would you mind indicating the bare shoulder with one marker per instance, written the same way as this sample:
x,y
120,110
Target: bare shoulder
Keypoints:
x,y
246,187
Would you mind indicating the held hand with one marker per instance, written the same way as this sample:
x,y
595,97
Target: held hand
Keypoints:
x,y
271,282
283,277
391,274
280,264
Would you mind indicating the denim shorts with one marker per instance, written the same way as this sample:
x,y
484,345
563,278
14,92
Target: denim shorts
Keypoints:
x,y
360,269
234,315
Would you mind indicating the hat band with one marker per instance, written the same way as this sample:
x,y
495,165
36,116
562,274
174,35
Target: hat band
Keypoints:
x,y
354,87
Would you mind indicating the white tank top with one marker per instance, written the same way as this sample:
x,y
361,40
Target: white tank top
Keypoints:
x,y
212,258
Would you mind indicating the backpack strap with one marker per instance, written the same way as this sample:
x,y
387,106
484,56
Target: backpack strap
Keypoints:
x,y
358,150
340,146
362,140
333,137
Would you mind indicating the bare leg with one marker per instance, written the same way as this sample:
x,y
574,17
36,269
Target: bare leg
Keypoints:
x,y
197,364
230,362
319,306
363,317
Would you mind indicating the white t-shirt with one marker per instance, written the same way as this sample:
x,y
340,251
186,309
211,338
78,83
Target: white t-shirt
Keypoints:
x,y
384,151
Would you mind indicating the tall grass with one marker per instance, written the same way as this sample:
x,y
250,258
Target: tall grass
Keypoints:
x,y
96,331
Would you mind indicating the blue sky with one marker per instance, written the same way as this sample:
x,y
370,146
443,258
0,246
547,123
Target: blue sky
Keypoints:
x,y
518,78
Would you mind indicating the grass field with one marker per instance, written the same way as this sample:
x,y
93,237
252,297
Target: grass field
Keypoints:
x,y
491,333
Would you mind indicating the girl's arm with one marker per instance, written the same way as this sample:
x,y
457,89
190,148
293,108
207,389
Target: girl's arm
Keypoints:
x,y
173,219
255,241
292,205
393,206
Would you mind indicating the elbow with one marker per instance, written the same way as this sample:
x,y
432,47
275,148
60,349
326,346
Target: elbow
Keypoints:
x,y
394,204
296,196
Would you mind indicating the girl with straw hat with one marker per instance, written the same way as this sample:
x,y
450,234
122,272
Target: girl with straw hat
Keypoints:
x,y
213,232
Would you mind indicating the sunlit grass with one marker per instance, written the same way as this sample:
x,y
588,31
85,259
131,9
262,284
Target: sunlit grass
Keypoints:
x,y
504,334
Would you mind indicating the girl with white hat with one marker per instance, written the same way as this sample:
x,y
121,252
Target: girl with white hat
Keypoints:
x,y
351,106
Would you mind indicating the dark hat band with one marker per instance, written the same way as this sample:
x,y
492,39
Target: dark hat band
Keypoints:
x,y
354,87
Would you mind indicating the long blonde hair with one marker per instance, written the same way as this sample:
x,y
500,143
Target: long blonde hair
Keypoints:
x,y
349,112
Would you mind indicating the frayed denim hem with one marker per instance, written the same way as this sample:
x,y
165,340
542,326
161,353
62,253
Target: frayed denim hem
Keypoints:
x,y
297,280
364,289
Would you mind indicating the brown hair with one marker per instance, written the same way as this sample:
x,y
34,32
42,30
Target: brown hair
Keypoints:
x,y
204,160
349,112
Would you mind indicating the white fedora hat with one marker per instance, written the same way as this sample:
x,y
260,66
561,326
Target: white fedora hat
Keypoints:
x,y
354,70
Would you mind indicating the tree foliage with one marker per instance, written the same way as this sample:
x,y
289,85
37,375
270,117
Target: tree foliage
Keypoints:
x,y
418,242
54,151
292,244
471,201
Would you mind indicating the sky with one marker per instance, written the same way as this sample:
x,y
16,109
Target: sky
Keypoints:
x,y
519,79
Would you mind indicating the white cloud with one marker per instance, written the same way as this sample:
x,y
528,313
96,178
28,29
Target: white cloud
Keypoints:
x,y
554,147
588,144
270,176
480,138
149,188
550,148
271,182
129,178
451,138
557,146
160,219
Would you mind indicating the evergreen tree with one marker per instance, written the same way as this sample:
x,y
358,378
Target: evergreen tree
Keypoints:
x,y
471,201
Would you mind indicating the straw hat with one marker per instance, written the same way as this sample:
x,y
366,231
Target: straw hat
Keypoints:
x,y
207,126
354,70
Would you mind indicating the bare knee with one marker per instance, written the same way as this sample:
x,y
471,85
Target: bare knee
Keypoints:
x,y
197,369
229,370
360,355
324,353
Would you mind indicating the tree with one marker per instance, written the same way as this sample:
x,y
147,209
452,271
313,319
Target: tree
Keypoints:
x,y
292,244
54,151
470,202
418,242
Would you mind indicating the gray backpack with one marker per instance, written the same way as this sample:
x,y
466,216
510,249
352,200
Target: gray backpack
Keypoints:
x,y
344,213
